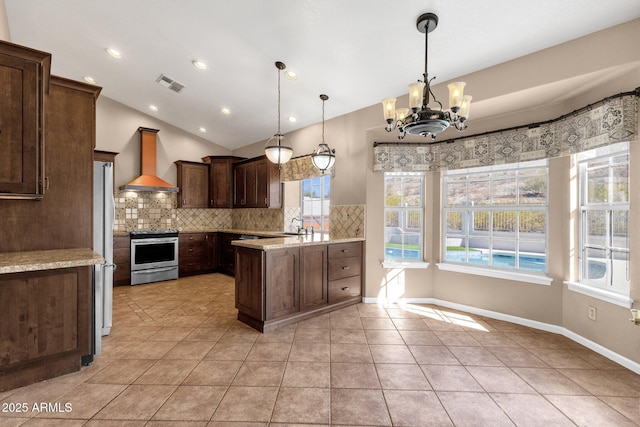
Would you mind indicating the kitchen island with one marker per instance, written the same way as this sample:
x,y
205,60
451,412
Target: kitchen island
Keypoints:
x,y
284,280
45,320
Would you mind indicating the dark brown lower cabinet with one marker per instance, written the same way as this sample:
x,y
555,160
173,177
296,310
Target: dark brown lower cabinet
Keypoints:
x,y
313,277
46,328
282,286
282,293
197,253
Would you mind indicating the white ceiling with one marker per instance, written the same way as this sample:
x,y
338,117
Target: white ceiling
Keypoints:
x,y
356,51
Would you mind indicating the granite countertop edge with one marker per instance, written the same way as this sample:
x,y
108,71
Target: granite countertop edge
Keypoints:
x,y
20,262
294,241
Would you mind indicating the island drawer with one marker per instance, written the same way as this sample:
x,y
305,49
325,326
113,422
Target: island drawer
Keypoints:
x,y
344,267
345,250
344,289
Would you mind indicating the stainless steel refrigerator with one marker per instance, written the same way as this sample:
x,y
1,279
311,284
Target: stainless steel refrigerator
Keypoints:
x,y
103,224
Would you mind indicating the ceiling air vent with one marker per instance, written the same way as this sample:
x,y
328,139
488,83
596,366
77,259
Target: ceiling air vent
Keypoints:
x,y
168,82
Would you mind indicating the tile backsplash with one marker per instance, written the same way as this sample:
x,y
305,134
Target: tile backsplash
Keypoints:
x,y
346,221
145,210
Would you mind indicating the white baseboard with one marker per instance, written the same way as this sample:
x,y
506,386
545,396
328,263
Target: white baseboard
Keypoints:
x,y
609,354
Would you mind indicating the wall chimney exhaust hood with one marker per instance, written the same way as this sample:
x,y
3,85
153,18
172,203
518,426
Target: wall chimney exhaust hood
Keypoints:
x,y
148,180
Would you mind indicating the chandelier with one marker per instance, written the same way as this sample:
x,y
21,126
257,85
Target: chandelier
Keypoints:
x,y
324,157
419,118
277,149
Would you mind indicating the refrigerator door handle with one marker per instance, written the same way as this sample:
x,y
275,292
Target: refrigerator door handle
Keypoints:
x,y
114,266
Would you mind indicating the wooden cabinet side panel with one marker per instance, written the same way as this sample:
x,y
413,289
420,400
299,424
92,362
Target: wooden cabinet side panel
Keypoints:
x,y
63,218
122,260
313,277
282,283
15,333
250,282
45,314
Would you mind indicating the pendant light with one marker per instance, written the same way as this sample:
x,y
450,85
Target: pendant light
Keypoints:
x,y
324,157
277,149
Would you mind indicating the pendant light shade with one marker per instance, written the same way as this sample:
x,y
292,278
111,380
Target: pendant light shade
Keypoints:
x,y
277,150
324,157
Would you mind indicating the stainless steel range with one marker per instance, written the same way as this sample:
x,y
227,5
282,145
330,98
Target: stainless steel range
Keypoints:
x,y
154,256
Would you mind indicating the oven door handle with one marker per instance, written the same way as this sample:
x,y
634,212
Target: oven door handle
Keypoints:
x,y
153,241
154,270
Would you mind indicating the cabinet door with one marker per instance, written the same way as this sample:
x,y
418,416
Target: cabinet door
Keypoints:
x,y
21,117
220,184
239,186
262,183
213,260
251,185
193,181
282,292
313,277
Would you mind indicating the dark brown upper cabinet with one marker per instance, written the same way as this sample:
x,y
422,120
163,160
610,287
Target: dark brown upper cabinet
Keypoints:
x,y
193,181
24,80
221,180
257,184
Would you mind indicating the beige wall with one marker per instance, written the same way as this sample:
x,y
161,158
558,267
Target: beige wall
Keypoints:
x,y
117,130
4,23
537,87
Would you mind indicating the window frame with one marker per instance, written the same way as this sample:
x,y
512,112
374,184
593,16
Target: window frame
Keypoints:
x,y
403,261
608,207
492,174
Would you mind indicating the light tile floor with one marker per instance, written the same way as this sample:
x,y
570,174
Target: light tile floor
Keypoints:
x,y
177,356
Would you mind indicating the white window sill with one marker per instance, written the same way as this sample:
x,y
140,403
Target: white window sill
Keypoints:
x,y
601,294
537,279
404,265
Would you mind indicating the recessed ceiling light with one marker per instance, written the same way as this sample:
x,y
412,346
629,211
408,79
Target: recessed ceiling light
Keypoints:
x,y
89,80
114,52
202,129
225,110
292,119
291,75
199,64
153,108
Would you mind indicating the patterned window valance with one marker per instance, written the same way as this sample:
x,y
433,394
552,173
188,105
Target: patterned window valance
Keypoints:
x,y
300,168
615,119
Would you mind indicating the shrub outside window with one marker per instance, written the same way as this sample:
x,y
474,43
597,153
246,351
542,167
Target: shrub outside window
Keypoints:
x,y
403,217
604,218
497,216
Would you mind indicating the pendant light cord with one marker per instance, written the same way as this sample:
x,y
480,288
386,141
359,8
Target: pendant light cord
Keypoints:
x,y
279,104
323,121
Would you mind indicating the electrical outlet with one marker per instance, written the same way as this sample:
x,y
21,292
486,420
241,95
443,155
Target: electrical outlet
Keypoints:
x,y
592,313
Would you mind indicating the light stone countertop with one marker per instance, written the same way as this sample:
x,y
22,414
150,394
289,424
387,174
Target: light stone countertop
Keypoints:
x,y
18,262
293,241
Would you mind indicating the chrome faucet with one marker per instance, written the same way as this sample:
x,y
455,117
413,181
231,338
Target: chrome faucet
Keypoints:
x,y
299,227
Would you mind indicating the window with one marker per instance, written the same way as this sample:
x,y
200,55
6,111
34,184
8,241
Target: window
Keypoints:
x,y
315,203
497,216
604,218
403,216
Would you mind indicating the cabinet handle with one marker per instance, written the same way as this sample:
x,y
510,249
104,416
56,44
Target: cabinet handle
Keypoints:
x,y
346,267
344,251
345,288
